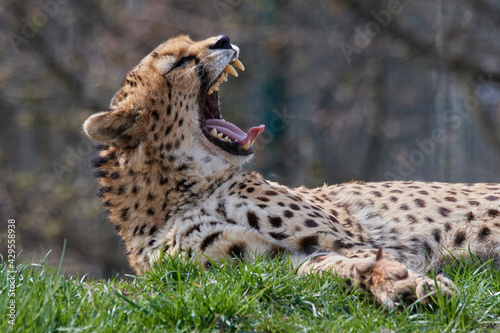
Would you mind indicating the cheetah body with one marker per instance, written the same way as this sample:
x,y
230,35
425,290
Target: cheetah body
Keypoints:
x,y
171,186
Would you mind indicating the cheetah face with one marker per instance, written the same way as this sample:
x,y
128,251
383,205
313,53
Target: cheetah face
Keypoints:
x,y
171,100
218,131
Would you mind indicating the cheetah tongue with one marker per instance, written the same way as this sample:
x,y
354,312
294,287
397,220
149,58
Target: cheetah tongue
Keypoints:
x,y
233,131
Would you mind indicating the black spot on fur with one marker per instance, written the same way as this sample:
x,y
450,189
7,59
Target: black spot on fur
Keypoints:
x,y
484,233
287,214
135,230
412,219
100,174
152,230
99,161
308,244
420,203
493,213
492,198
192,229
294,207
278,235
151,211
141,230
168,146
444,211
209,240
437,235
124,214
339,244
470,216
275,221
237,251
155,115
253,220
273,193
121,190
311,223
459,238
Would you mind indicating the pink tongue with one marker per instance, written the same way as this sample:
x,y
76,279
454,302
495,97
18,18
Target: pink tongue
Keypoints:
x,y
233,131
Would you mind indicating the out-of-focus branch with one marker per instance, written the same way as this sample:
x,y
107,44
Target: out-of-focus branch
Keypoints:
x,y
40,48
452,64
424,49
489,11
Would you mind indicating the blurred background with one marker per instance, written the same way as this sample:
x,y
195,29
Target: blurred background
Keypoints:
x,y
348,89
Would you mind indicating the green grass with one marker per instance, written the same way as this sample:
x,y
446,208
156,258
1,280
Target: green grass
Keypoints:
x,y
261,297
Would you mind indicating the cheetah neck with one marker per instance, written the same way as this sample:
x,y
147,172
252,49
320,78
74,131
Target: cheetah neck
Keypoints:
x,y
134,195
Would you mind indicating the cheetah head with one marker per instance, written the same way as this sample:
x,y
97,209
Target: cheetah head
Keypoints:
x,y
169,105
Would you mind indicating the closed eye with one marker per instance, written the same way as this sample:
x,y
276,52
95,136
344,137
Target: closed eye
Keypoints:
x,y
182,62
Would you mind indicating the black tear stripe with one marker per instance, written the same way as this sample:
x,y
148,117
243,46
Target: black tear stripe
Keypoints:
x,y
200,69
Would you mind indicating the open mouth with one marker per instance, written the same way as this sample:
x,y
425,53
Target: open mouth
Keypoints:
x,y
220,132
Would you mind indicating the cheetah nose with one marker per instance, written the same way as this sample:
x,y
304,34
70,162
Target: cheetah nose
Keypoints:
x,y
222,43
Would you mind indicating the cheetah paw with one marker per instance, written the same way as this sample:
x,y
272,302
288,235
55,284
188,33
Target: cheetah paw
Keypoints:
x,y
392,283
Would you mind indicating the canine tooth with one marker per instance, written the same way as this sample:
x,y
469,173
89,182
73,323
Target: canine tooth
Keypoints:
x,y
248,144
237,63
215,87
230,69
213,132
210,92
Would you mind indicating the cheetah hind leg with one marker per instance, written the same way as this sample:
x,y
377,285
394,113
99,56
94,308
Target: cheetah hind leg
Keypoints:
x,y
387,279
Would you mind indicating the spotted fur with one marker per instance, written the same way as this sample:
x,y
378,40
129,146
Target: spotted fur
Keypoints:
x,y
167,188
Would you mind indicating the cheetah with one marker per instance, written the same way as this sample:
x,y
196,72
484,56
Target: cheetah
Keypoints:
x,y
170,173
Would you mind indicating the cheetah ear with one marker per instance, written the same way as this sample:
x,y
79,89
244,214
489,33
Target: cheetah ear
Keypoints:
x,y
114,127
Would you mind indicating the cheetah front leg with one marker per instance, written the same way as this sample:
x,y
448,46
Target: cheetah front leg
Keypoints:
x,y
387,279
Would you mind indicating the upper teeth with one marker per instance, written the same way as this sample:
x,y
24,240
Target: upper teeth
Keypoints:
x,y
229,69
239,65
